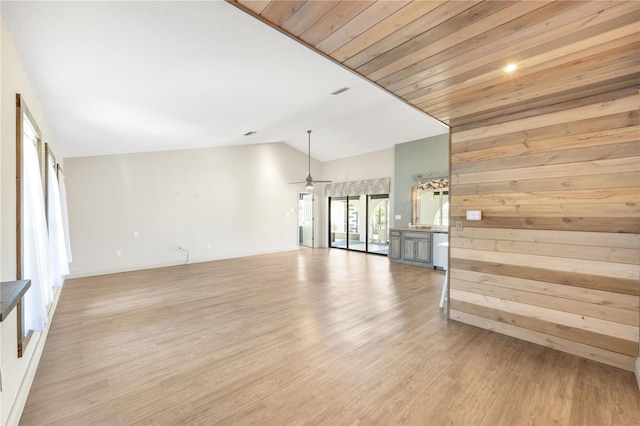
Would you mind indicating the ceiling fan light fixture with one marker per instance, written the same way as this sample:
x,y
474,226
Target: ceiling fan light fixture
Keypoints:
x,y
309,181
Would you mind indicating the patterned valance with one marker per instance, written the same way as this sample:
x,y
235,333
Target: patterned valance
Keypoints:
x,y
359,187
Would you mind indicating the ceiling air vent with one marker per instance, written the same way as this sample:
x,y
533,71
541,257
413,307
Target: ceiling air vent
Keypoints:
x,y
337,92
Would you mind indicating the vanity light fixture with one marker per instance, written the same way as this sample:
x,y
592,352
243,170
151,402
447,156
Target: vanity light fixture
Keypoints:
x,y
510,68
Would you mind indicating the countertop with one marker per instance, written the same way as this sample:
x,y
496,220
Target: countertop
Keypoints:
x,y
434,228
10,294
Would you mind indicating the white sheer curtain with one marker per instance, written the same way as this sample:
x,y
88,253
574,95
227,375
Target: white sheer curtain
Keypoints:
x,y
65,215
58,263
35,242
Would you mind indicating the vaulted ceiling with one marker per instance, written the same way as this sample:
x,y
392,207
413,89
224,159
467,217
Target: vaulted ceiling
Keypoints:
x,y
116,77
448,58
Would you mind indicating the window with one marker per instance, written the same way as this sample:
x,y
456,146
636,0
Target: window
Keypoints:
x,y
32,237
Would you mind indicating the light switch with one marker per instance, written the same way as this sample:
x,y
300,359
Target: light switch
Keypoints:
x,y
398,217
474,214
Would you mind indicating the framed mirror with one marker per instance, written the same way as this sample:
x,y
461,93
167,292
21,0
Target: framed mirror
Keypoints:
x,y
430,200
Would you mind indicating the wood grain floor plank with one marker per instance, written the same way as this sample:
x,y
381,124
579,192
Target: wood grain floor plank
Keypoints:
x,y
312,336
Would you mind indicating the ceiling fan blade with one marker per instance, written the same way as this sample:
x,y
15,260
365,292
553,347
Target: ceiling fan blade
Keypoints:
x,y
296,183
321,181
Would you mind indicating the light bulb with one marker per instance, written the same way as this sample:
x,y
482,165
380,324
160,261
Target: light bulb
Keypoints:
x,y
510,68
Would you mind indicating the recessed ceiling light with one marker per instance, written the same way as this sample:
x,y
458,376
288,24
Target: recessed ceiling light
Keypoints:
x,y
337,92
250,133
510,68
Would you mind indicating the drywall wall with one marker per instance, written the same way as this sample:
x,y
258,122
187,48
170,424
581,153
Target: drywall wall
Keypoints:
x,y
19,372
556,258
430,155
133,211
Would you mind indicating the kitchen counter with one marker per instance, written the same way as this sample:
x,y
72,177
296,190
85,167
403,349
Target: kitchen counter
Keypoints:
x,y
11,292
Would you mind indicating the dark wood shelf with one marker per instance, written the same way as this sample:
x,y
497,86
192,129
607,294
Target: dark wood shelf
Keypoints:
x,y
11,292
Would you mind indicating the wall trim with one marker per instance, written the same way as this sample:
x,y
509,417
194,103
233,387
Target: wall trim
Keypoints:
x,y
39,339
162,264
638,371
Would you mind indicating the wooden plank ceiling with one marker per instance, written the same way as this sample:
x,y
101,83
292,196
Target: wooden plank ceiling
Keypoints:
x,y
447,58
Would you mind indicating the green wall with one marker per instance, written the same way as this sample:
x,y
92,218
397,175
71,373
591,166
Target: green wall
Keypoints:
x,y
430,155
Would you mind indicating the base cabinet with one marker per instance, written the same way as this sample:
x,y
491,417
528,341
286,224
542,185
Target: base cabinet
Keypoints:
x,y
395,241
411,246
417,249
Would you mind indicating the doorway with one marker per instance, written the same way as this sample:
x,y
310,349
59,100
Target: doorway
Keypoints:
x,y
360,223
305,219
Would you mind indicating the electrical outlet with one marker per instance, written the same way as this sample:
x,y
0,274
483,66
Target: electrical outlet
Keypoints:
x,y
208,245
135,234
118,253
458,225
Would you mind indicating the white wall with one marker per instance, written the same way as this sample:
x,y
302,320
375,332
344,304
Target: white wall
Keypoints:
x,y
373,165
235,198
19,371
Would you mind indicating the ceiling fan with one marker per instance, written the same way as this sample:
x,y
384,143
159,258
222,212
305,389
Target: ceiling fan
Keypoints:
x,y
309,180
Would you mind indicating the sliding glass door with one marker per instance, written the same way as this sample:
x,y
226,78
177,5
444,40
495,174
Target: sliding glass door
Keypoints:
x,y
359,223
338,222
378,235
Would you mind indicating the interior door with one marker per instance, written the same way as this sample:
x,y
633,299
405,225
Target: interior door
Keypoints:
x,y
305,219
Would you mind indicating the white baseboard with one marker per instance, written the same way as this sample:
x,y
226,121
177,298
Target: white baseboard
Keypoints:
x,y
39,339
638,371
162,264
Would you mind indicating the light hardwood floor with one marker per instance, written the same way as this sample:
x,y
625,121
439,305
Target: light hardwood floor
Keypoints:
x,y
312,336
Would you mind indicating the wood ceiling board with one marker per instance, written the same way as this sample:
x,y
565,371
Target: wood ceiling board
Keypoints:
x,y
467,39
256,6
335,19
421,46
382,29
501,44
359,24
408,32
491,74
446,58
600,68
278,12
307,15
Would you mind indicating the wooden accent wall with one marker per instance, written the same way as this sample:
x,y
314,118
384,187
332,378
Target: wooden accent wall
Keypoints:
x,y
555,259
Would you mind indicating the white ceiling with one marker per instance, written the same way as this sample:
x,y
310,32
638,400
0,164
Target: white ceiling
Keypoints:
x,y
120,77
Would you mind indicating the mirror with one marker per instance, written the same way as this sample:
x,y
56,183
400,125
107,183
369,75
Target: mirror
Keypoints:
x,y
431,203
